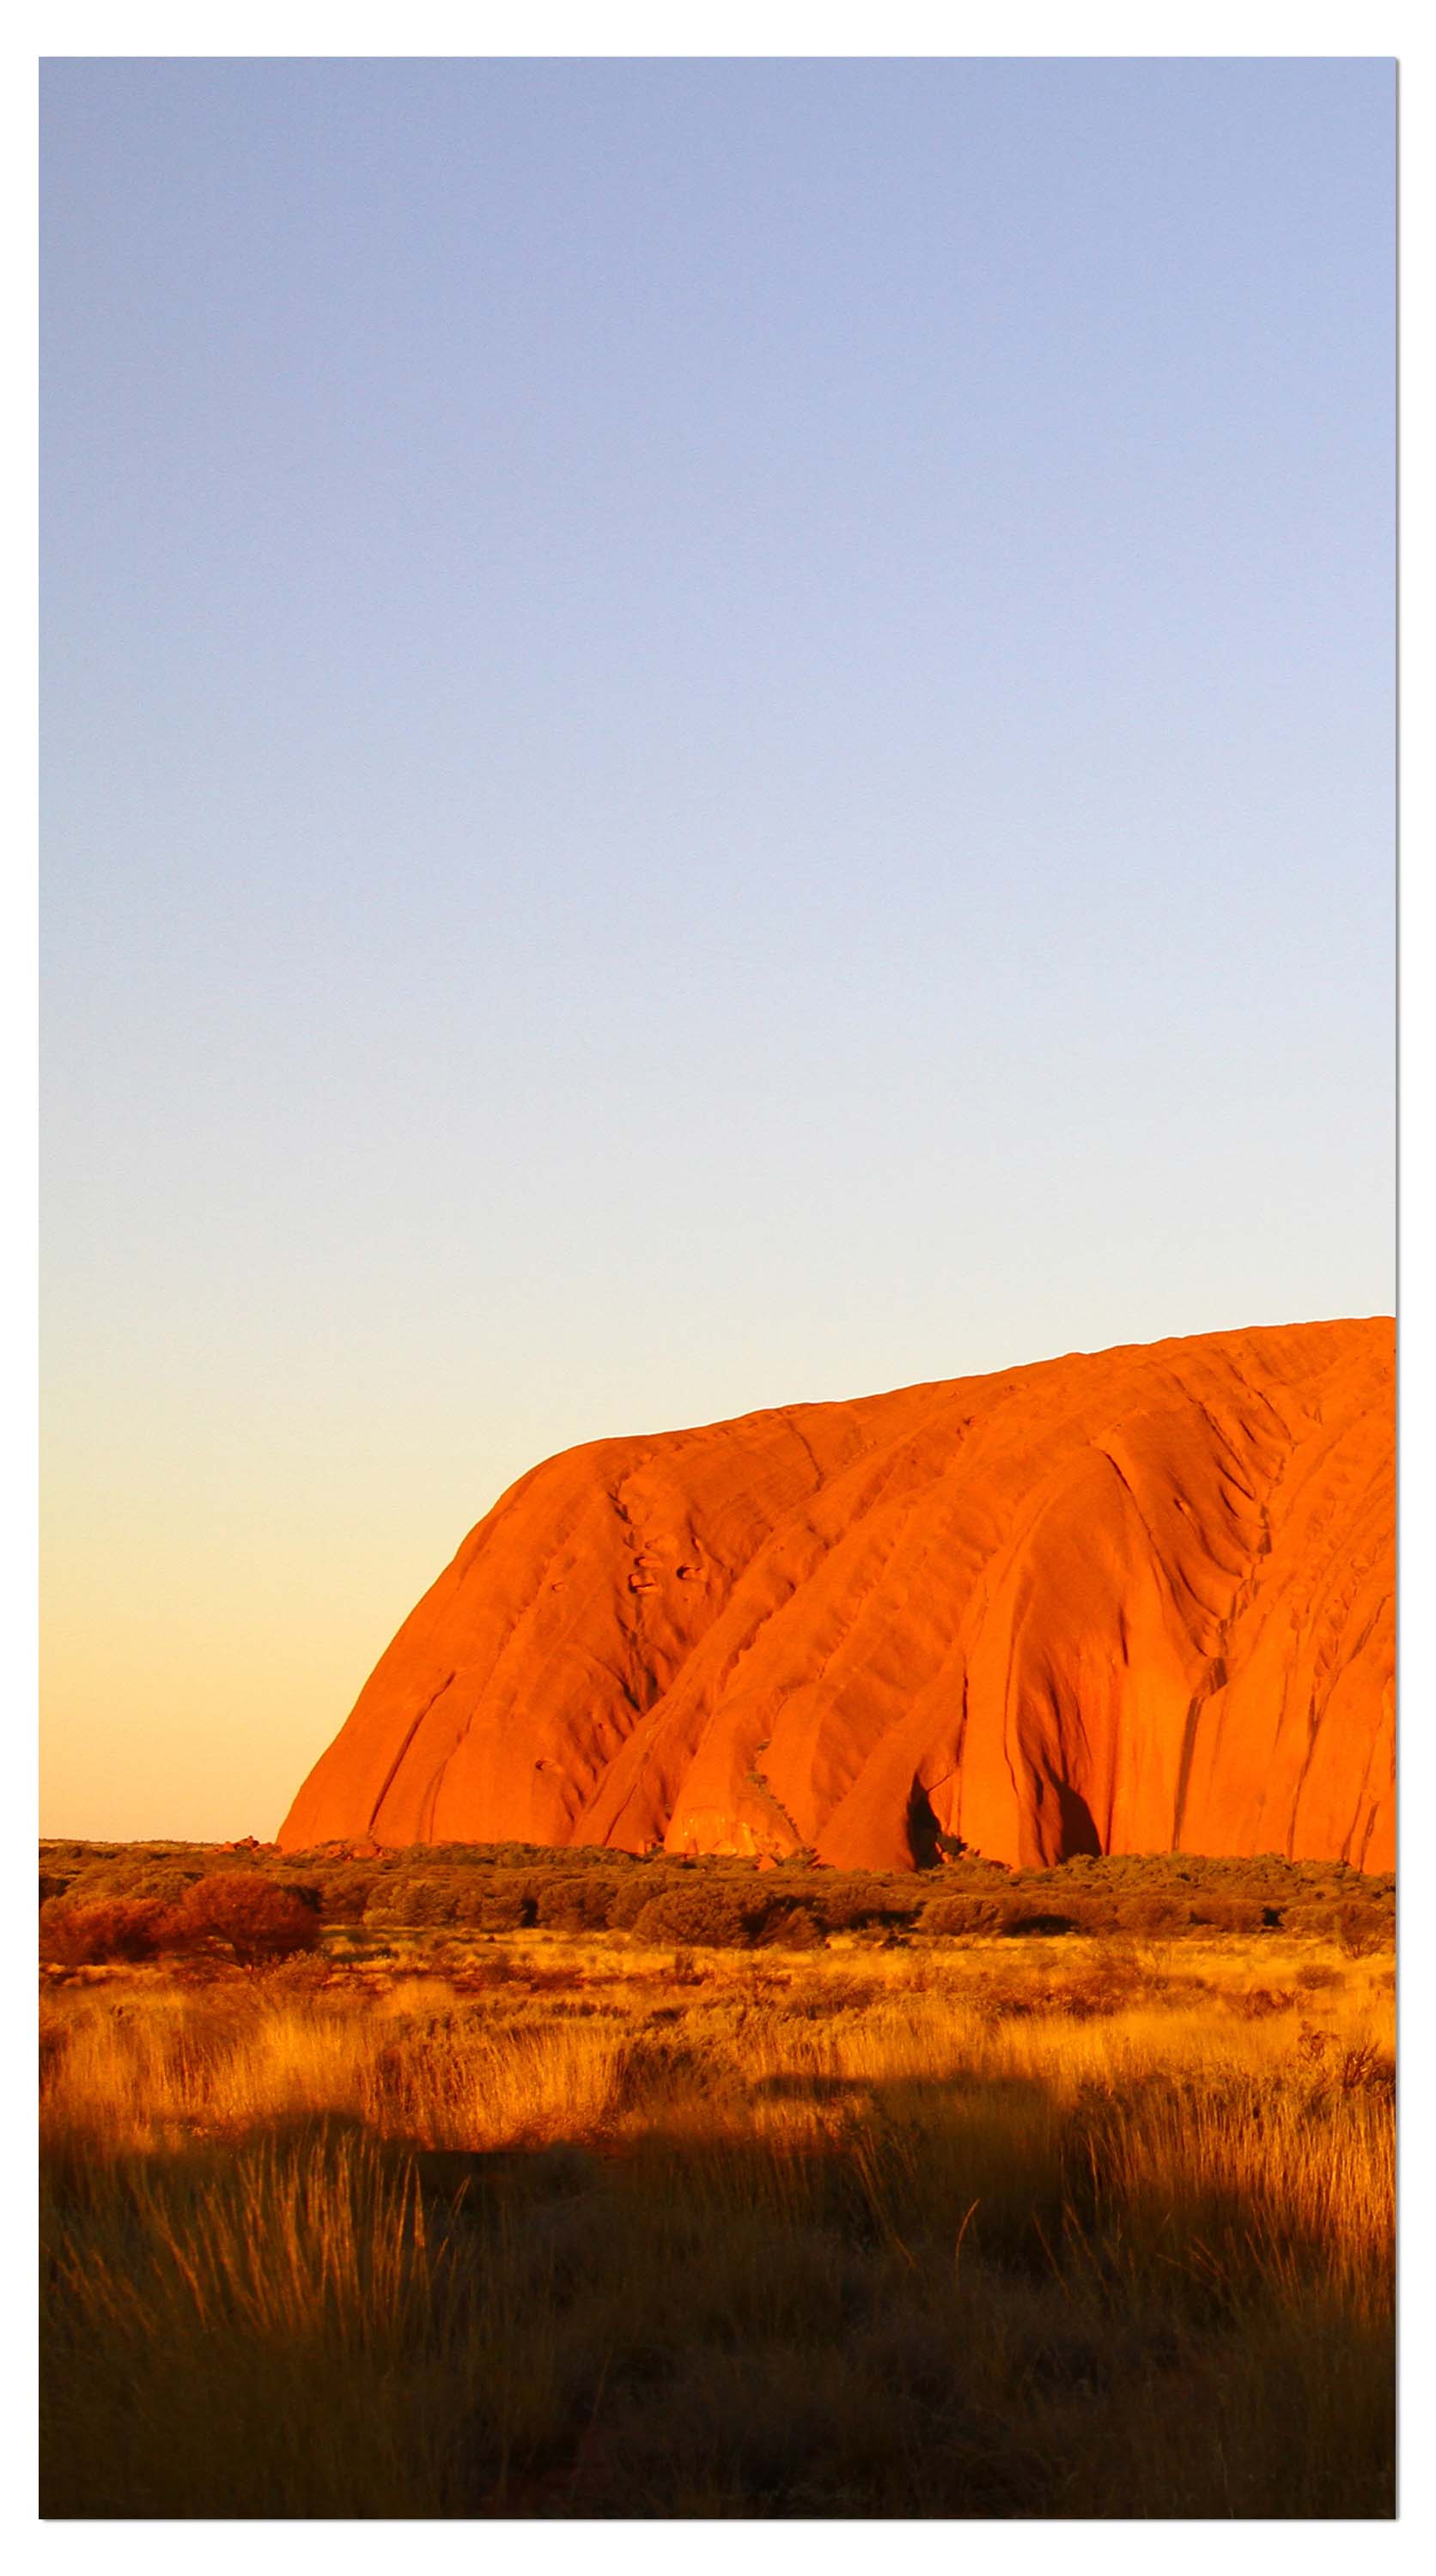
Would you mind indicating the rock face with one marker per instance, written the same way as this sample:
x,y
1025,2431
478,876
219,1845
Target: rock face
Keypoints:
x,y
1130,1600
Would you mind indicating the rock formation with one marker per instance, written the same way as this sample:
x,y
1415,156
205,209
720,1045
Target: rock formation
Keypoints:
x,y
1131,1600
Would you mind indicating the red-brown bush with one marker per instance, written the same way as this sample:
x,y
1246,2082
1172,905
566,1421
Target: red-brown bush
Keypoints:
x,y
76,1935
247,1912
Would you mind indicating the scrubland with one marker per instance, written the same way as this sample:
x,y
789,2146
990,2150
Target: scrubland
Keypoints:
x,y
432,2221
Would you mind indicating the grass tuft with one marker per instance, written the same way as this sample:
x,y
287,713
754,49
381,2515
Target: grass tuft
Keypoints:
x,y
580,2224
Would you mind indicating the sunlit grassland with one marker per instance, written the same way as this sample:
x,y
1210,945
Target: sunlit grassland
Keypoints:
x,y
571,2226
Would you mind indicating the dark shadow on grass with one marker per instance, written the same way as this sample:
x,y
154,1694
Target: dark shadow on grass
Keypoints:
x,y
925,2310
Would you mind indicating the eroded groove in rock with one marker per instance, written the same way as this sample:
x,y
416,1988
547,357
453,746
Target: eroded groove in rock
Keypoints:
x,y
1126,1600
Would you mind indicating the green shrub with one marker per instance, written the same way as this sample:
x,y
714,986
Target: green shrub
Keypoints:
x,y
1308,1920
960,1917
1362,1929
790,1927
857,1903
576,1903
706,1916
1228,1913
165,1880
1152,1912
632,1894
344,1894
419,1901
501,1900
506,1887
1023,1919
471,1897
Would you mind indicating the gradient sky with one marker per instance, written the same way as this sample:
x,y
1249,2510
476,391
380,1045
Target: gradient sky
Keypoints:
x,y
714,733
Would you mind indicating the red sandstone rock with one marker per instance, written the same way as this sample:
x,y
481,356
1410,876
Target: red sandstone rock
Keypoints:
x,y
1121,1601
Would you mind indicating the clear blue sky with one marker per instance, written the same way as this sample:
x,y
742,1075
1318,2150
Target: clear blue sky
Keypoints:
x,y
715,732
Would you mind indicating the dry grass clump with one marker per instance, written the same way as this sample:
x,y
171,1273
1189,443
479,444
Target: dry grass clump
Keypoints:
x,y
241,2335
562,2224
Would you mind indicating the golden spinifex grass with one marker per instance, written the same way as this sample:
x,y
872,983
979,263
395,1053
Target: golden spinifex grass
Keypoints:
x,y
575,2227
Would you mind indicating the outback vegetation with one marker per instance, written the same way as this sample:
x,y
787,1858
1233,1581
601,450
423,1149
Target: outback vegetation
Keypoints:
x,y
466,2182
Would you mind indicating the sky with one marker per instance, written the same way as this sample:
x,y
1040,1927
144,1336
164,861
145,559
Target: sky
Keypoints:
x,y
714,733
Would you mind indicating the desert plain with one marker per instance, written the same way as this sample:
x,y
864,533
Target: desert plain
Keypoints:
x,y
842,1966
